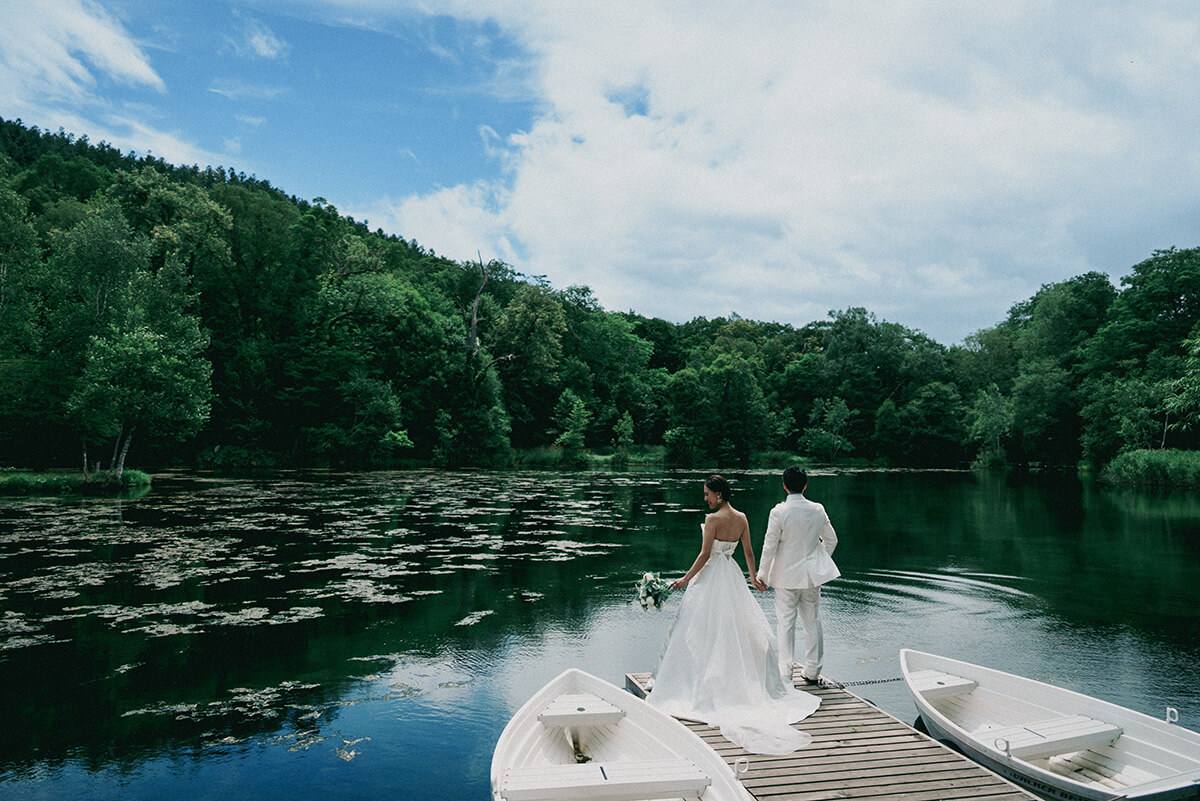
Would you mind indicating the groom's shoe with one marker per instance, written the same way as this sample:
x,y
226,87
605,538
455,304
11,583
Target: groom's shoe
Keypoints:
x,y
807,680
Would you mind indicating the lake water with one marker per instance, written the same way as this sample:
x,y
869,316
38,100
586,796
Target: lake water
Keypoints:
x,y
366,636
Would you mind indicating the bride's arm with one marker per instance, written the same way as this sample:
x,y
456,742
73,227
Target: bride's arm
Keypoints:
x,y
701,558
748,549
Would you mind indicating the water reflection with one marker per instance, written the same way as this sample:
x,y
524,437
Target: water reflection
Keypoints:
x,y
278,633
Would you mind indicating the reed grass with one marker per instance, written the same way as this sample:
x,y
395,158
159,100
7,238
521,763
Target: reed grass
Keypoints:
x,y
15,482
1159,468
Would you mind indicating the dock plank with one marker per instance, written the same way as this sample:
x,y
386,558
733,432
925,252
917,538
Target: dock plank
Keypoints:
x,y
858,752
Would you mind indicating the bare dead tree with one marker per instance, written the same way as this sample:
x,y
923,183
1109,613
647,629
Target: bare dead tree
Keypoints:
x,y
473,320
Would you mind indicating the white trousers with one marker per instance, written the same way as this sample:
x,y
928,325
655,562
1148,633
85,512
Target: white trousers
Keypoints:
x,y
804,605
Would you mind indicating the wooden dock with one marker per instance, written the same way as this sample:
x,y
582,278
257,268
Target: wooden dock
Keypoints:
x,y
858,751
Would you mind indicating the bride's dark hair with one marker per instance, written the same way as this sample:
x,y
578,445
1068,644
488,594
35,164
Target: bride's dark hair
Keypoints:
x,y
719,485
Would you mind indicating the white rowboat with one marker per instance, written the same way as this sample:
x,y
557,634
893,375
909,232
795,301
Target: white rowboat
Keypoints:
x,y
580,737
1055,742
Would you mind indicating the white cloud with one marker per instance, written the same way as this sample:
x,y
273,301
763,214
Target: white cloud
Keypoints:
x,y
56,57
932,162
131,134
461,219
54,50
263,43
256,40
236,89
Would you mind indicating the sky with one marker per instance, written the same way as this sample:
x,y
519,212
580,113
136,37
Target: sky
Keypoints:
x,y
932,162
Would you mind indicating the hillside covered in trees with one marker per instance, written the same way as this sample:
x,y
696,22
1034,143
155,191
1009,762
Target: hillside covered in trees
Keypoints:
x,y
200,316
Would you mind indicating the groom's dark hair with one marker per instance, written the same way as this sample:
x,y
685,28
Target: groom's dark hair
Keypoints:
x,y
795,479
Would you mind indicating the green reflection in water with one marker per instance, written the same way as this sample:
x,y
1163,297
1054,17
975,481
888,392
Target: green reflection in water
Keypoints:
x,y
349,619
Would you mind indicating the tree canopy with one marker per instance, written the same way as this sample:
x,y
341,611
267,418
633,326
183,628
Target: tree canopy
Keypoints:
x,y
202,316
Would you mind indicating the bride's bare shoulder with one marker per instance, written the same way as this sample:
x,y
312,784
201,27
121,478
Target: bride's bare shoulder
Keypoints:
x,y
729,512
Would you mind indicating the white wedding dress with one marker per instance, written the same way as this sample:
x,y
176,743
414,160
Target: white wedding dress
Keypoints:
x,y
720,666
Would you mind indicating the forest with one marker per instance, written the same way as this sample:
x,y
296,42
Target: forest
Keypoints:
x,y
174,315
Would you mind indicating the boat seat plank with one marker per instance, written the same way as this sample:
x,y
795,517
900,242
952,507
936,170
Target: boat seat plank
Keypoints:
x,y
1045,738
980,708
580,709
936,684
612,781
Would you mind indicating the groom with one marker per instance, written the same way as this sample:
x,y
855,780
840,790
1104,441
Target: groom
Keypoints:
x,y
796,561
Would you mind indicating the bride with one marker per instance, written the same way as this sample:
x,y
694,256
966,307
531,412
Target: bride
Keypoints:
x,y
719,665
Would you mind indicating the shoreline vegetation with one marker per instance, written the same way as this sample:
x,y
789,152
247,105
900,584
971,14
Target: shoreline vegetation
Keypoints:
x,y
72,482
1163,469
1154,468
155,314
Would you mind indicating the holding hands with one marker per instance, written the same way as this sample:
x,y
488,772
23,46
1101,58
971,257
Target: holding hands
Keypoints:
x,y
755,581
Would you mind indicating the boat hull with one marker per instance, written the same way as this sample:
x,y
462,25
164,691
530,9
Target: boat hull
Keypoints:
x,y
530,741
1054,742
1005,768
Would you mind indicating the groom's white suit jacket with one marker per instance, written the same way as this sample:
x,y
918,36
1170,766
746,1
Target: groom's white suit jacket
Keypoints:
x,y
797,553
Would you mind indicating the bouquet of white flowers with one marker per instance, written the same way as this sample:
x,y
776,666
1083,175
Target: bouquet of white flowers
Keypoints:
x,y
653,590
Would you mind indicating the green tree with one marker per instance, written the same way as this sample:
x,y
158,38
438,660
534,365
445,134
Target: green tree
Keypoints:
x,y
664,338
572,416
254,309
933,424
987,357
93,271
717,412
473,428
96,270
371,427
741,422
1138,354
623,436
864,362
1184,399
138,381
826,435
989,423
22,396
690,412
528,338
1143,413
890,437
53,179
793,389
122,340
182,222
371,370
604,362
19,275
1046,413
1059,321
1152,318
1053,331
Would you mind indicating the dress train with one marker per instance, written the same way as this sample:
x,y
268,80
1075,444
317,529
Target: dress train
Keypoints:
x,y
719,664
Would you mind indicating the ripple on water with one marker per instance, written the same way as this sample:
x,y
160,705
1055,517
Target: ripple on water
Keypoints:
x,y
406,603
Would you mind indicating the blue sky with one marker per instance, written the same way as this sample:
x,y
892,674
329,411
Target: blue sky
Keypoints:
x,y
934,162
